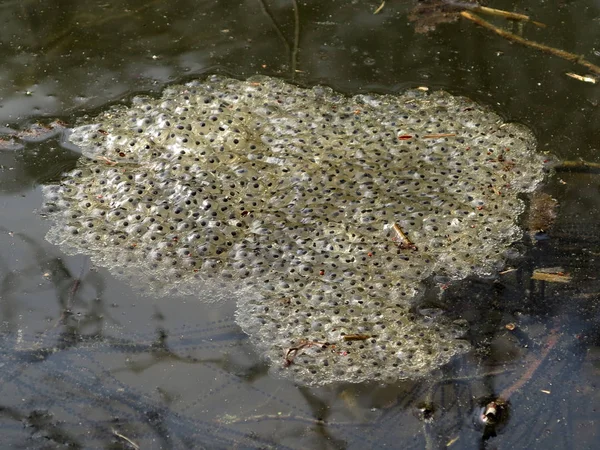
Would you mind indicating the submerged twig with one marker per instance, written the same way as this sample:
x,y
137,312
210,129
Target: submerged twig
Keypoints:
x,y
552,275
378,10
578,166
293,47
533,367
265,9
126,439
505,14
572,57
296,46
429,13
494,412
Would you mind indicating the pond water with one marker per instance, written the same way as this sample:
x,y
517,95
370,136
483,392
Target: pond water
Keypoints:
x,y
88,362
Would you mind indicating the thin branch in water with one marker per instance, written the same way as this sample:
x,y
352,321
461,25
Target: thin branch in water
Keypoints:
x,y
551,342
126,439
583,78
506,15
578,166
572,57
428,14
296,46
267,12
291,48
378,10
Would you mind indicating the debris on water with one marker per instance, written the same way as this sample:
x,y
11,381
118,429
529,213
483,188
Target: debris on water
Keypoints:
x,y
493,412
452,441
572,57
542,213
379,8
584,78
551,274
126,439
284,195
427,14
403,241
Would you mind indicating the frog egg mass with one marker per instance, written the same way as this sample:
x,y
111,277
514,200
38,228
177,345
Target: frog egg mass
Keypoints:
x,y
323,213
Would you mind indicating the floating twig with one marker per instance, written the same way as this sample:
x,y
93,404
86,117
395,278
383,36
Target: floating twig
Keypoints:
x,y
506,15
550,344
452,441
378,10
552,275
572,57
405,243
584,78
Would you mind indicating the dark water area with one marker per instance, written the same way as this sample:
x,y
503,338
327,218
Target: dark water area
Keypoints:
x,y
88,362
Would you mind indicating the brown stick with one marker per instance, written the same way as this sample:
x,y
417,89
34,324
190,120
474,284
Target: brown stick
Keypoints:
x,y
506,14
572,57
405,242
578,166
550,344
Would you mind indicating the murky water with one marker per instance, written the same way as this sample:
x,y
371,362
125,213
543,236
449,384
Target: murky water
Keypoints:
x,y
86,362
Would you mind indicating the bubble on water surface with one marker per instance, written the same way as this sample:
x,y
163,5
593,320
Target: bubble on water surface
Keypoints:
x,y
326,212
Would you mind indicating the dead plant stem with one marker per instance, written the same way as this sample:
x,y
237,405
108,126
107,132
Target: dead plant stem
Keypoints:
x,y
572,57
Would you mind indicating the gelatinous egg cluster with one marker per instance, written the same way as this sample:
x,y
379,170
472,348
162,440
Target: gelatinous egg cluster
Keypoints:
x,y
324,212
